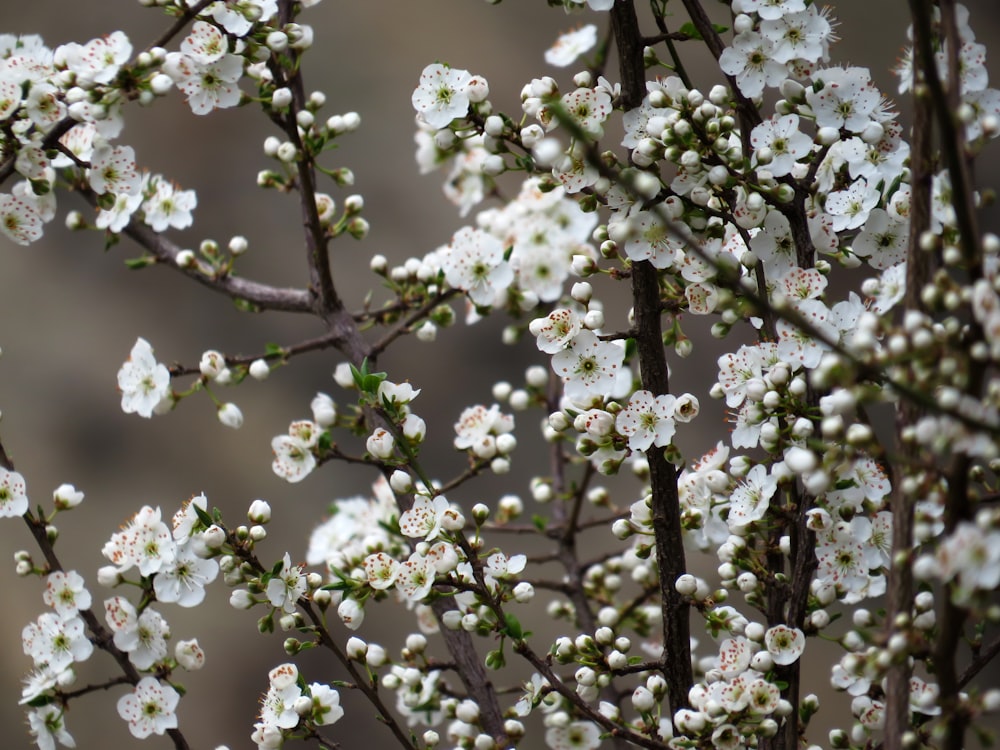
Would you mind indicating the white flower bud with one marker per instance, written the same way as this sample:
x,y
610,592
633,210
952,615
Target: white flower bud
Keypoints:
x,y
524,592
66,496
351,613
643,700
380,443
277,41
356,648
427,332
686,585
230,415
287,152
260,511
414,428
212,363
400,481
281,97
241,599
189,655
375,655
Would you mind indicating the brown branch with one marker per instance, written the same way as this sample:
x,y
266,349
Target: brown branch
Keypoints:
x,y
900,583
676,656
260,295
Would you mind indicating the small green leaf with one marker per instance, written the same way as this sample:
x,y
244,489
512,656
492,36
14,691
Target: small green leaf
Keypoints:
x,y
244,305
202,515
689,30
513,628
539,522
137,264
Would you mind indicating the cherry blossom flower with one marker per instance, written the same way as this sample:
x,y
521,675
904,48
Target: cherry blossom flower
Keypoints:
x,y
802,35
651,239
751,62
293,459
769,9
18,220
589,108
783,142
850,208
842,560
44,679
882,240
285,588
577,735
146,543
189,655
750,499
890,288
785,644
117,217
356,527
113,170
647,420
499,566
804,348
424,517
55,641
734,656
478,424
972,558
168,207
183,581
149,708
66,593
47,725
588,367
98,61
574,170
415,577
764,697
596,4
13,500
10,97
846,99
381,570
474,263
569,46
205,44
44,105
442,95
207,87
326,704
556,330
144,382
237,18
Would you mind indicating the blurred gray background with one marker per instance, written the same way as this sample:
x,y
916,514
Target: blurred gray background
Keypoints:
x,y
70,312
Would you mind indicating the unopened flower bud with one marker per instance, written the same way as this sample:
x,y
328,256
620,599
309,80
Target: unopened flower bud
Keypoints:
x,y
230,415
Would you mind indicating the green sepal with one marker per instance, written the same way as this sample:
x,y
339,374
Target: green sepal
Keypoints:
x,y
496,660
690,30
513,627
136,264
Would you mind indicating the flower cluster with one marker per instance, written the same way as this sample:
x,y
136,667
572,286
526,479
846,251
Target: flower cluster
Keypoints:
x,y
834,255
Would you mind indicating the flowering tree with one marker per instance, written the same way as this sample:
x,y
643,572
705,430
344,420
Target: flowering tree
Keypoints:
x,y
834,250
